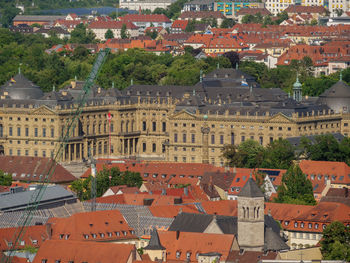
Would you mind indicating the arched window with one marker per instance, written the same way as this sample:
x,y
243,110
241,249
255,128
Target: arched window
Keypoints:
x,y
254,212
243,212
257,212
247,212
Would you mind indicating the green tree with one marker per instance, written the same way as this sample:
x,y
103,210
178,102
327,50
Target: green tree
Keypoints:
x,y
233,57
124,33
9,11
228,23
190,26
335,243
82,35
247,19
313,22
80,53
5,179
105,179
248,154
278,155
109,34
295,188
152,34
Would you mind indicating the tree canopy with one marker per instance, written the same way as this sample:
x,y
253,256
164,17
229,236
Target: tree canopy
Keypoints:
x,y
5,179
326,148
104,180
295,188
335,243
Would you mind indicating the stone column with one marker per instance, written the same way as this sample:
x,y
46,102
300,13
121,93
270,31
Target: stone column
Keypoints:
x,y
69,153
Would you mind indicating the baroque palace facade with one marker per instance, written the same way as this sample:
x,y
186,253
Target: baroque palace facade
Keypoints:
x,y
164,123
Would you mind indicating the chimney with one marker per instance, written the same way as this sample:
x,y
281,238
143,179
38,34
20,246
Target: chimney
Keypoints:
x,y
177,234
49,230
186,191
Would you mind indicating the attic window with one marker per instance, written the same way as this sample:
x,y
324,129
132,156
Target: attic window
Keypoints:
x,y
178,254
163,175
35,242
44,261
109,234
316,226
188,255
67,236
310,225
102,235
155,175
117,233
325,215
286,223
124,233
93,235
121,222
237,180
333,177
319,177
302,224
61,236
91,225
86,236
296,224
106,223
341,178
145,175
324,226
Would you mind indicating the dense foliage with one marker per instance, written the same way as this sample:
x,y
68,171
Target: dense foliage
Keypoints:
x,y
28,52
295,188
265,20
173,11
104,180
284,76
250,154
335,243
326,148
5,179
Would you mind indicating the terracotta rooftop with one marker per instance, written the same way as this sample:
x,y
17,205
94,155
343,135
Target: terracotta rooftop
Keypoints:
x,y
305,9
89,252
34,169
183,245
108,225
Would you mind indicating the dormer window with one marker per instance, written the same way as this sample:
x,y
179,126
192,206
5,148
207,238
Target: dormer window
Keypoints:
x,y
102,235
178,254
93,235
302,224
117,233
316,226
296,224
188,255
67,237
109,234
86,236
286,223
61,236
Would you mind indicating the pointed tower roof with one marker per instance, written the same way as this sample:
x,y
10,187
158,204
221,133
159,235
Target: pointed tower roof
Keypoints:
x,y
154,243
251,189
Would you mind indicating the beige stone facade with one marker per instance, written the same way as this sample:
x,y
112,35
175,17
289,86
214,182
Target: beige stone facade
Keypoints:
x,y
163,123
149,131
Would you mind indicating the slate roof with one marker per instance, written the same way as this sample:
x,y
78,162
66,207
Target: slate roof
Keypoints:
x,y
251,189
295,141
154,243
19,87
198,223
19,201
338,90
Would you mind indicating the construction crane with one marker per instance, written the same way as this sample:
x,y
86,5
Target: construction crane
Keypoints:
x,y
37,195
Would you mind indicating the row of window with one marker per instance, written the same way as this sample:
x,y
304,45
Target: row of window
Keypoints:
x,y
154,126
221,138
99,128
26,132
27,119
302,225
326,177
35,142
305,235
26,153
22,242
101,235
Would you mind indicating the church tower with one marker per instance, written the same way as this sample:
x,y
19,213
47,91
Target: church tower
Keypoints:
x,y
250,202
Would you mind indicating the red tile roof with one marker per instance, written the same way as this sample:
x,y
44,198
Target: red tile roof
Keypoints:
x,y
182,24
250,256
78,251
34,236
34,169
298,9
178,244
108,225
111,25
222,207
